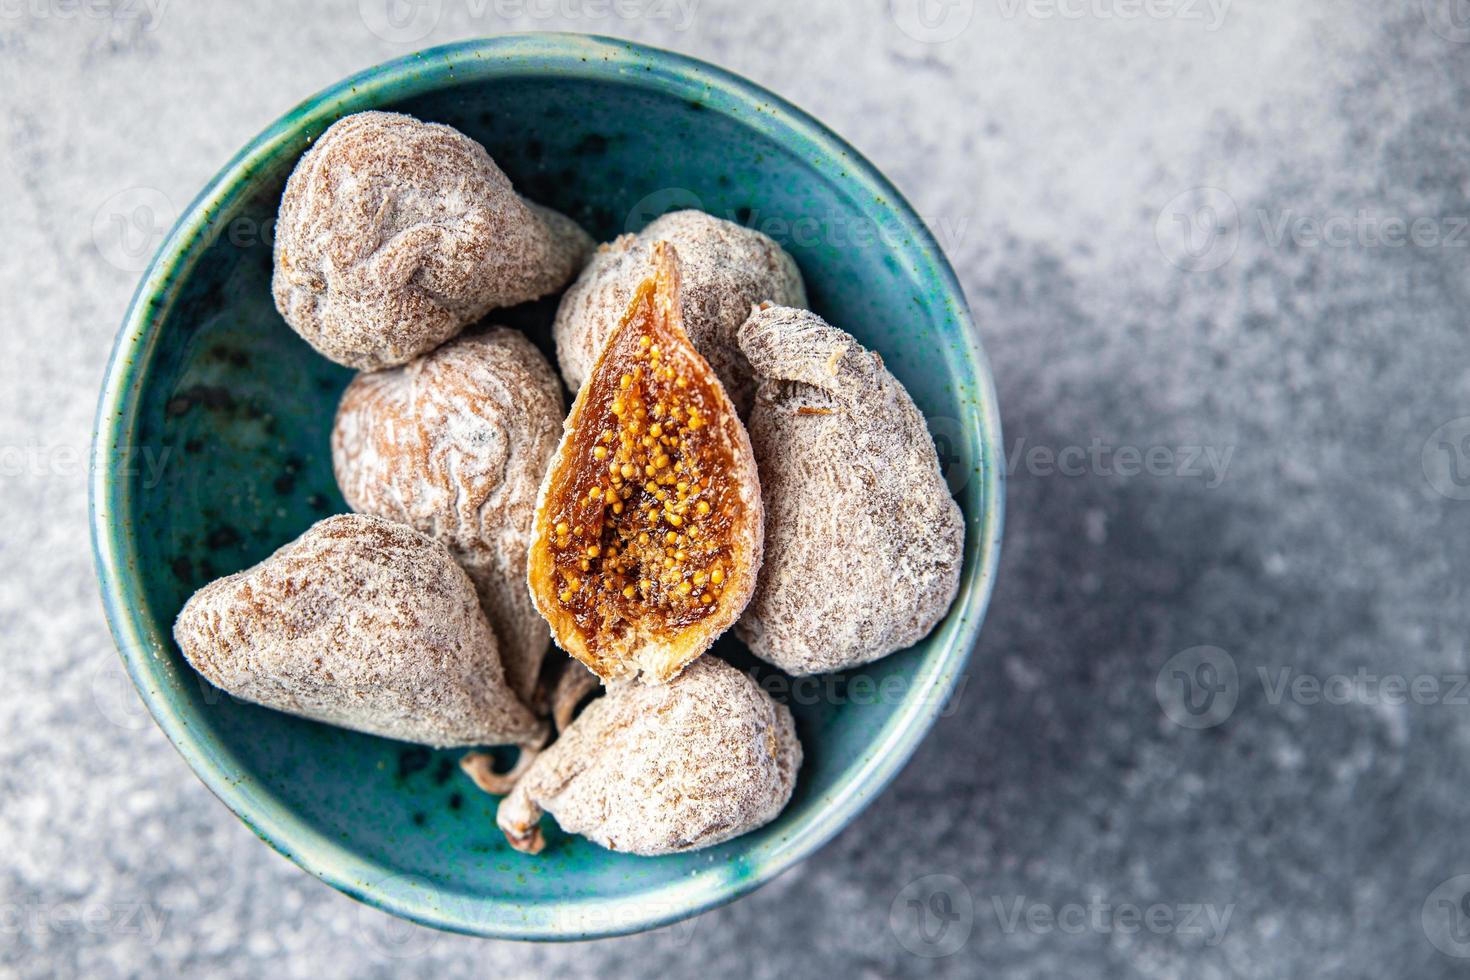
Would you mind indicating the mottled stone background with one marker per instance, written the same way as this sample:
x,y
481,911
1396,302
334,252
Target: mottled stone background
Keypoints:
x,y
1218,253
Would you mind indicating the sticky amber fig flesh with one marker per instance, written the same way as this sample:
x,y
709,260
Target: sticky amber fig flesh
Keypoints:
x,y
648,527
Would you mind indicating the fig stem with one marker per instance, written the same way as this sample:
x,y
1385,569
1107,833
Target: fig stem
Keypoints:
x,y
480,767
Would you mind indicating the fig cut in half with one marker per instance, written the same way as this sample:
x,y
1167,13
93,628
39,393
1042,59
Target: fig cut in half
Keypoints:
x,y
648,529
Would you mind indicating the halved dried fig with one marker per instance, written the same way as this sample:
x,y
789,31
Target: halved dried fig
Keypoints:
x,y
648,526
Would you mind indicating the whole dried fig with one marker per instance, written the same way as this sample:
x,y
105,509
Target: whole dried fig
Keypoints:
x,y
455,444
362,623
661,768
863,543
725,268
394,234
648,526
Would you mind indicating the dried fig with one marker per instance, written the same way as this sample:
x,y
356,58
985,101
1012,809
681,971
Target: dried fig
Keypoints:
x,y
661,768
648,526
455,444
848,469
575,686
725,268
362,623
394,234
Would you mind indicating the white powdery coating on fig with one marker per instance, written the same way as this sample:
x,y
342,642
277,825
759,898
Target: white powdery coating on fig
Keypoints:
x,y
455,444
361,623
661,768
394,234
726,268
864,544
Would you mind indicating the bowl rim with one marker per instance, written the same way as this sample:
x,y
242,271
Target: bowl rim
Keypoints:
x,y
144,644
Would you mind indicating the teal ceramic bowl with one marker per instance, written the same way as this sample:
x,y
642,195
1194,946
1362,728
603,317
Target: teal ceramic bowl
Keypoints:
x,y
207,380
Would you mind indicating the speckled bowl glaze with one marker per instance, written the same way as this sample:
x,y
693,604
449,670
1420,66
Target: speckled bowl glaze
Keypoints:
x,y
208,378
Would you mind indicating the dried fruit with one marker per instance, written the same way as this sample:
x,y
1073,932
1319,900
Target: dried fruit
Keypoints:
x,y
455,444
725,267
362,623
394,234
571,687
648,526
863,543
661,768
575,686
480,767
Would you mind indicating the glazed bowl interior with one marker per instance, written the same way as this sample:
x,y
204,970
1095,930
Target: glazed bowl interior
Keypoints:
x,y
208,382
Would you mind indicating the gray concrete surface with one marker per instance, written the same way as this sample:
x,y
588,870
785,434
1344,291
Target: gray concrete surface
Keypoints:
x,y
1302,319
